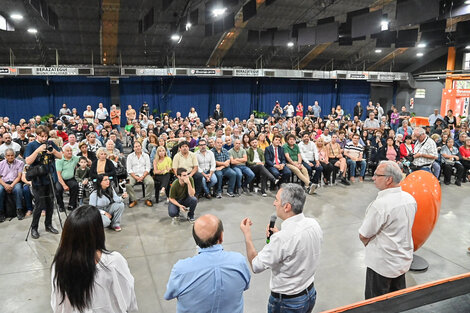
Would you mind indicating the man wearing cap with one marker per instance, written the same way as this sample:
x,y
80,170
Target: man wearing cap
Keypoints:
x,y
277,111
213,280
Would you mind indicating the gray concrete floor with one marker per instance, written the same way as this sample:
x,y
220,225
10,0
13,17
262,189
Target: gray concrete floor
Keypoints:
x,y
152,245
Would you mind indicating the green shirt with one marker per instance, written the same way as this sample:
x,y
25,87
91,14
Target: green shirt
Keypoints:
x,y
293,152
67,167
180,192
237,155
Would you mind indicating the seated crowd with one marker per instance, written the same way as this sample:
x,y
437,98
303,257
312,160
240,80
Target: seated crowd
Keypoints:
x,y
185,159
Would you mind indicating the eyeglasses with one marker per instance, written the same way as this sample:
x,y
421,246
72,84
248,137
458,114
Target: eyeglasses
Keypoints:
x,y
379,175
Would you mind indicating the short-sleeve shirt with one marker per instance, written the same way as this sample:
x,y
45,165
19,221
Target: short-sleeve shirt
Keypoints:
x,y
67,167
293,152
178,191
353,150
221,156
188,162
237,155
48,159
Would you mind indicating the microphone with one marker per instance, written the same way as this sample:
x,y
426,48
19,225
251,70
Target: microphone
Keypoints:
x,y
272,222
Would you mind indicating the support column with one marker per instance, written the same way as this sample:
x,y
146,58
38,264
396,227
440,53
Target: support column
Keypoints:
x,y
450,66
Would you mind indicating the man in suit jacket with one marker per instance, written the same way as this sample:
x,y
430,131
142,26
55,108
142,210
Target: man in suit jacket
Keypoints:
x,y
256,163
276,160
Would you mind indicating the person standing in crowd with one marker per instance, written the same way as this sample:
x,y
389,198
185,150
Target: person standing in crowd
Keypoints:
x,y
277,110
115,118
182,196
316,110
64,111
110,205
144,109
130,114
214,279
85,276
138,168
404,115
289,110
299,110
386,233
11,170
292,253
89,115
218,114
101,113
358,110
433,117
42,153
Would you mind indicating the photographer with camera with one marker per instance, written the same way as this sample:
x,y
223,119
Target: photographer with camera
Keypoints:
x,y
40,154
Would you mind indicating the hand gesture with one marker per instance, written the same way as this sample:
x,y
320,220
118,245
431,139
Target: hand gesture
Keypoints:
x,y
245,226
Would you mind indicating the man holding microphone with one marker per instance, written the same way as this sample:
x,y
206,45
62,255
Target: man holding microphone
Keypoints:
x,y
292,253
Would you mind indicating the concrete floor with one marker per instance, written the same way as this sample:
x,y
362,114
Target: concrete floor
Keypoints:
x,y
152,245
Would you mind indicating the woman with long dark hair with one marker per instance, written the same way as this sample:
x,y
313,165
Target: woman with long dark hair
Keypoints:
x,y
85,276
110,205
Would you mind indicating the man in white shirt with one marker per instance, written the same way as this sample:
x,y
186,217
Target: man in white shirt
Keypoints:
x,y
309,152
206,167
292,253
73,144
8,144
289,109
138,168
433,117
88,114
386,233
101,113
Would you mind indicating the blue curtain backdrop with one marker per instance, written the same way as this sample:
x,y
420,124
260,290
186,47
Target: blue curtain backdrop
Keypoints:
x,y
350,92
26,97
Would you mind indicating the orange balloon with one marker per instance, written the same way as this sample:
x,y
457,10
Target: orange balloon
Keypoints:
x,y
425,188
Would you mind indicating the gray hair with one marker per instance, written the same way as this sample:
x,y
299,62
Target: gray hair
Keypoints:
x,y
392,170
295,195
419,131
9,150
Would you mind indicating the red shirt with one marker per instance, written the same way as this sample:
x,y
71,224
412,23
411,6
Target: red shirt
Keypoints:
x,y
464,152
300,110
404,150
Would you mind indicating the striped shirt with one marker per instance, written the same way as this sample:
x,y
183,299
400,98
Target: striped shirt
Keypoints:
x,y
428,146
353,151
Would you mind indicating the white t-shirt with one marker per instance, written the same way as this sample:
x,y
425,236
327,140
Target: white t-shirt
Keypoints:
x,y
113,290
388,222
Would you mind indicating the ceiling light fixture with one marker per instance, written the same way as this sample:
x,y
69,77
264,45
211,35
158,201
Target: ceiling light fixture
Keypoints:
x,y
384,25
378,50
16,17
32,30
421,45
175,37
219,11
419,54
467,2
290,44
467,47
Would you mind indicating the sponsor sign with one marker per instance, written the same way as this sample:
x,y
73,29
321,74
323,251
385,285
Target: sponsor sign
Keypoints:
x,y
4,70
55,71
208,72
247,72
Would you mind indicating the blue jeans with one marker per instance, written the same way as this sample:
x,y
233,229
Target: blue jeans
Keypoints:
x,y
17,193
286,173
207,185
352,167
28,197
318,171
230,174
241,170
189,202
301,304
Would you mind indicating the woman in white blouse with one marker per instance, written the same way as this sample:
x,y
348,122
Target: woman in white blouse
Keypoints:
x,y
192,114
85,276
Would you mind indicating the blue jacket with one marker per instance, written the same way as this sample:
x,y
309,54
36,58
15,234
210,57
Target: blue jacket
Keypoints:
x,y
269,156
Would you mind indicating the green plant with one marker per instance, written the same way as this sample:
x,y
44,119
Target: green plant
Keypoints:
x,y
259,114
167,112
413,114
154,111
46,117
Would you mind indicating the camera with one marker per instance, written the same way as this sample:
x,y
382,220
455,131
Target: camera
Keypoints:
x,y
49,148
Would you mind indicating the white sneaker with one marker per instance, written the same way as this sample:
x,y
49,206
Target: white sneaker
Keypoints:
x,y
175,220
311,189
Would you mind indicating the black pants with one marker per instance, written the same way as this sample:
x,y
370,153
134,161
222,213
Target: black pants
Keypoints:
x,y
377,285
447,171
197,177
466,166
160,182
264,174
327,169
73,190
43,200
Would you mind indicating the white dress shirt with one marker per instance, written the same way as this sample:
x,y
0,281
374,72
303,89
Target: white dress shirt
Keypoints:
x,y
138,165
206,161
309,152
113,289
388,222
101,114
292,255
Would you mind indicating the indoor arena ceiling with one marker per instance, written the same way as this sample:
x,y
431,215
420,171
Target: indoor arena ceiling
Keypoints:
x,y
106,32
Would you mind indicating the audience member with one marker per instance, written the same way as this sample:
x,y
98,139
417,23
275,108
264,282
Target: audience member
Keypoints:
x,y
276,160
182,196
138,168
66,179
354,153
256,162
11,170
238,160
206,166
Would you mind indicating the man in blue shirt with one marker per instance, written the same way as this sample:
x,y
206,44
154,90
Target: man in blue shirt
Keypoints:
x,y
214,279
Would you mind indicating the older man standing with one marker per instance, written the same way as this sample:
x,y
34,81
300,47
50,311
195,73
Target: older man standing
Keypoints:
x,y
10,176
212,281
386,233
66,178
292,253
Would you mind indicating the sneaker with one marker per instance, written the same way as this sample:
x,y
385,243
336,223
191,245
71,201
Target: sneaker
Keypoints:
x,y
175,220
245,190
191,219
219,195
162,192
117,228
276,181
311,189
264,194
458,183
344,181
230,194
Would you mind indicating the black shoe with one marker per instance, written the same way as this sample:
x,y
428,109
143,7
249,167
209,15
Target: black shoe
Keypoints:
x,y
34,233
344,181
457,182
61,209
19,214
52,230
245,190
70,208
2,218
447,182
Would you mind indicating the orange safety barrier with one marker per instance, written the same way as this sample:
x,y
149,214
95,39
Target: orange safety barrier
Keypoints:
x,y
419,121
397,293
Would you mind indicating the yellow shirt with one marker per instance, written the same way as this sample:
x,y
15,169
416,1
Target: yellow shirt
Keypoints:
x,y
164,165
262,145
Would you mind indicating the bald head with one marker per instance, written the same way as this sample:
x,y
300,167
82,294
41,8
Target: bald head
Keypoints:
x,y
207,231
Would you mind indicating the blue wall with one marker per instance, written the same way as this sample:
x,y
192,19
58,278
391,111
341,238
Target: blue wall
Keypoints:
x,y
26,97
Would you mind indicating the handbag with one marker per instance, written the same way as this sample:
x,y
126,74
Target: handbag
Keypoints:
x,y
121,172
